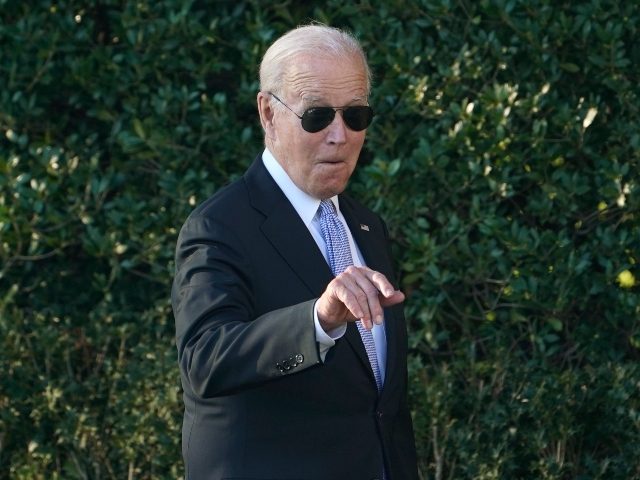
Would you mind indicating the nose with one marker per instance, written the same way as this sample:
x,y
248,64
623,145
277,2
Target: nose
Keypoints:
x,y
337,130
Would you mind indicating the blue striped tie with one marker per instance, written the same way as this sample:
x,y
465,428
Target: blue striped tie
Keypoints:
x,y
340,258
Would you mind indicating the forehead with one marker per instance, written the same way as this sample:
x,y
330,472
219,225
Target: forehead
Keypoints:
x,y
336,80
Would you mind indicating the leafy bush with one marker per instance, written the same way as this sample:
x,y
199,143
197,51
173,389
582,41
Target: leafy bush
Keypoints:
x,y
504,157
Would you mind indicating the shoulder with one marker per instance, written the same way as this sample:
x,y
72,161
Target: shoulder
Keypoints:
x,y
223,201
254,193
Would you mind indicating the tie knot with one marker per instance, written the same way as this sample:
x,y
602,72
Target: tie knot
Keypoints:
x,y
327,207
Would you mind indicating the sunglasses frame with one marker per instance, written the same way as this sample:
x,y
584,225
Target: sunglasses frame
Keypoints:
x,y
305,119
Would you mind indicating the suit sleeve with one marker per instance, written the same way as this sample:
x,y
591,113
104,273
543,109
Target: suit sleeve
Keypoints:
x,y
222,346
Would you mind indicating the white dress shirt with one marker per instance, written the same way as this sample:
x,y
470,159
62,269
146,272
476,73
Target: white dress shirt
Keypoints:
x,y
307,208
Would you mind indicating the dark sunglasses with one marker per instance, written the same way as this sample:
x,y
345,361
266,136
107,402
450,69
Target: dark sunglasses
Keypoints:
x,y
357,118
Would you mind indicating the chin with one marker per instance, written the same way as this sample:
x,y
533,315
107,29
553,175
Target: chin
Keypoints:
x,y
328,191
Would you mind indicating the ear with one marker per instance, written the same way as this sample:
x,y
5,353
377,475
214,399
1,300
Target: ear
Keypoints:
x,y
266,113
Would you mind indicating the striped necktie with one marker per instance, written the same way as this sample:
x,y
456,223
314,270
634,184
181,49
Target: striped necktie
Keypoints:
x,y
339,253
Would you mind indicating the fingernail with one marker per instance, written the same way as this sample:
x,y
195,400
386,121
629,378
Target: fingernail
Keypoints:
x,y
378,319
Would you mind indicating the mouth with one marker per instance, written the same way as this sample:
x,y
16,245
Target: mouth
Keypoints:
x,y
331,161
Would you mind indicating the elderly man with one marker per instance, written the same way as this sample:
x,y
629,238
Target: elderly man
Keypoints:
x,y
291,338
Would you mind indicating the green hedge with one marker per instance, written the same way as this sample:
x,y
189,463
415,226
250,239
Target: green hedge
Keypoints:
x,y
504,156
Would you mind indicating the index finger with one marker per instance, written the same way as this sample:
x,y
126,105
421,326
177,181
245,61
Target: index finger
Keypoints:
x,y
381,282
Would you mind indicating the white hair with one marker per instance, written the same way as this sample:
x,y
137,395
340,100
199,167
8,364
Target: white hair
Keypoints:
x,y
316,39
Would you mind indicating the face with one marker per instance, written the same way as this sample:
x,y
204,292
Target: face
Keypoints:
x,y
319,163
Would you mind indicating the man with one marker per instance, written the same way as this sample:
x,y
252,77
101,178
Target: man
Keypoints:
x,y
278,382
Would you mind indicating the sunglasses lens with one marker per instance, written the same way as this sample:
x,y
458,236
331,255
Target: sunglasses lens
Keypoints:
x,y
316,119
358,118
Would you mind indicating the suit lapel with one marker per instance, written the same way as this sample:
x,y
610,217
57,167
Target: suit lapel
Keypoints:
x,y
286,231
367,232
295,244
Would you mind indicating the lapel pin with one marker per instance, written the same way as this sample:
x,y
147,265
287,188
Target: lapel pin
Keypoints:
x,y
364,227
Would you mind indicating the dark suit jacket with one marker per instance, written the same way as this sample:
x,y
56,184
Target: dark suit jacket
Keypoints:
x,y
259,402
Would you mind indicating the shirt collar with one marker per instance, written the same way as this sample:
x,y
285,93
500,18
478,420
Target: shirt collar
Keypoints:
x,y
304,204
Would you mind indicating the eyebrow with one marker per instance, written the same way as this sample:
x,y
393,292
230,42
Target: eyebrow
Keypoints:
x,y
313,101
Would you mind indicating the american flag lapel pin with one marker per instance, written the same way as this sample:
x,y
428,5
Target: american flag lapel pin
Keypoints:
x,y
364,227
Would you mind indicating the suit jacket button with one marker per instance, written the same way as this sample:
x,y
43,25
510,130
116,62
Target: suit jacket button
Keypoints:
x,y
299,358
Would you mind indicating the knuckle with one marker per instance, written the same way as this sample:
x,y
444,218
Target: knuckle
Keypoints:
x,y
378,276
370,290
361,296
341,290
